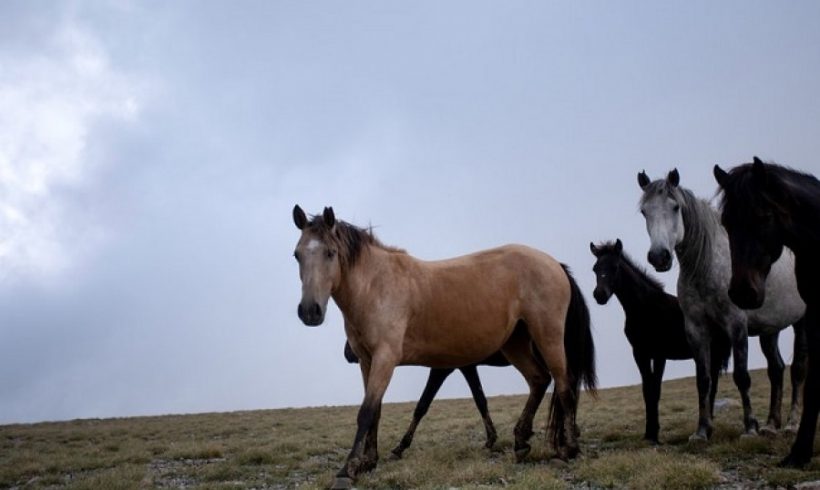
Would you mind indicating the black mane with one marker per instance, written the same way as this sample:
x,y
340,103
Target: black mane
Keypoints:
x,y
350,240
741,185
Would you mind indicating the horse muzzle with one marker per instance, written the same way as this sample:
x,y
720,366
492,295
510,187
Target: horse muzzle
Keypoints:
x,y
311,314
601,296
661,259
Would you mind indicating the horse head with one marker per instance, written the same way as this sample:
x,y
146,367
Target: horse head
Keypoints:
x,y
661,207
606,269
754,217
319,266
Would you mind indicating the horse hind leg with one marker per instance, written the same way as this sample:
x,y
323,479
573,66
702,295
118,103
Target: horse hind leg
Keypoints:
x,y
798,373
563,406
474,382
518,352
434,381
775,369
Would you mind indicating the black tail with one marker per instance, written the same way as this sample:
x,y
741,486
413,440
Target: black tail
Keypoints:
x,y
721,350
578,344
580,352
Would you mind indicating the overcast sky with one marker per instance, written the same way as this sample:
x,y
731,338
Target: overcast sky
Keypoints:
x,y
151,153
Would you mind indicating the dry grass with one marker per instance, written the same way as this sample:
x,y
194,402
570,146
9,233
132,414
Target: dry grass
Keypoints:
x,y
304,448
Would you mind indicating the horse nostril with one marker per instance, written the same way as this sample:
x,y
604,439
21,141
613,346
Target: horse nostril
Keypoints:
x,y
316,310
666,256
300,311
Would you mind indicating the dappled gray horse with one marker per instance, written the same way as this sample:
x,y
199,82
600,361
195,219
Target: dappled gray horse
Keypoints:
x,y
678,221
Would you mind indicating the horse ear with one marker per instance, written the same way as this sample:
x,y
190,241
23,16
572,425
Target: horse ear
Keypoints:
x,y
593,249
328,217
673,177
619,247
759,170
643,179
720,175
299,217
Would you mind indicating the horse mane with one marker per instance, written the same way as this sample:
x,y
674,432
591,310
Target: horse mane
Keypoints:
x,y
701,221
647,280
348,239
793,182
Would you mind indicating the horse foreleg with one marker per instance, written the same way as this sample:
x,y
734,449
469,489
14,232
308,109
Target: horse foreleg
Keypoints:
x,y
434,382
798,373
803,447
650,405
775,368
701,343
658,366
378,375
740,375
471,375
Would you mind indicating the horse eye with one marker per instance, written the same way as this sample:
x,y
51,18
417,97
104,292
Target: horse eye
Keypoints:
x,y
643,212
331,254
296,256
676,208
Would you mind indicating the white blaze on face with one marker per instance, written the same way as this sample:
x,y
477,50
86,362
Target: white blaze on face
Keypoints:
x,y
313,244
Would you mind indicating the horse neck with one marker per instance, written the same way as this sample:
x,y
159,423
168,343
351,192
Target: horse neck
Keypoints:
x,y
703,231
803,233
632,288
353,287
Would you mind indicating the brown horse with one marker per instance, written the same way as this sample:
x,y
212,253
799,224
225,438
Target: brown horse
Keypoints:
x,y
399,310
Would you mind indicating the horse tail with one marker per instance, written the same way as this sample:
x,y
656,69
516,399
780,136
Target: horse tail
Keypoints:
x,y
578,344
723,345
349,355
580,353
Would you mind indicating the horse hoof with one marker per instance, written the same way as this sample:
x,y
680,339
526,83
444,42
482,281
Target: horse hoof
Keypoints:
x,y
342,483
749,434
697,438
490,442
768,431
521,454
791,428
792,461
394,455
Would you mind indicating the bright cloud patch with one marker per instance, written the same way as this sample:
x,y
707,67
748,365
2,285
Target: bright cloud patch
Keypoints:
x,y
49,102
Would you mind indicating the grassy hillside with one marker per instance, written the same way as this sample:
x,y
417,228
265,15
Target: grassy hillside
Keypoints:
x,y
304,447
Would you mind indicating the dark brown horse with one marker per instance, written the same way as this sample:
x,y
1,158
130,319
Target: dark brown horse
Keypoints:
x,y
765,208
399,310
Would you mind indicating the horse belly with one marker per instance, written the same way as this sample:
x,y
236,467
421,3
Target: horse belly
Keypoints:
x,y
456,343
783,305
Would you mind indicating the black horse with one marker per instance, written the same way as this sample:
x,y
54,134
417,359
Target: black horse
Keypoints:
x,y
654,321
434,382
764,208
